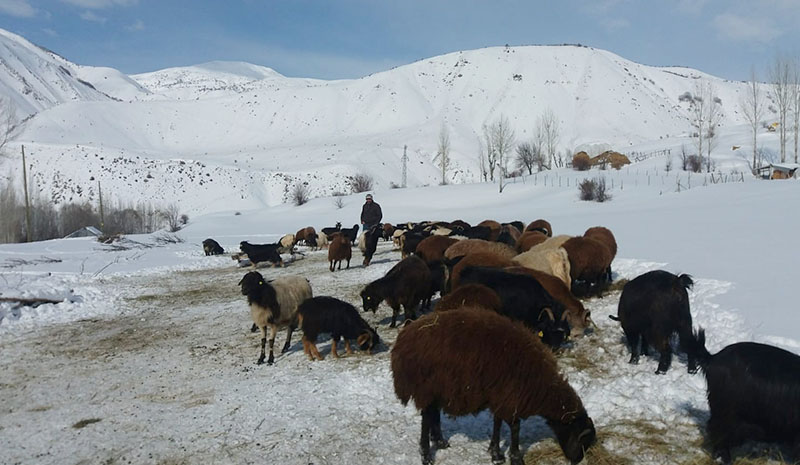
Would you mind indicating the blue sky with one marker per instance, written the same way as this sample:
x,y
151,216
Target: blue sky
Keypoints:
x,y
332,39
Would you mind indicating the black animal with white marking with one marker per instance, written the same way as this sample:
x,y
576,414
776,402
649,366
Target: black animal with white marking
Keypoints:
x,y
212,247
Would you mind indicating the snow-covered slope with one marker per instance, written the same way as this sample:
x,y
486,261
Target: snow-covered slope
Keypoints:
x,y
207,80
36,79
260,133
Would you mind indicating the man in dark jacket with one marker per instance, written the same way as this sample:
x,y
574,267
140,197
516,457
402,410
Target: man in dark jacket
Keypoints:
x,y
371,214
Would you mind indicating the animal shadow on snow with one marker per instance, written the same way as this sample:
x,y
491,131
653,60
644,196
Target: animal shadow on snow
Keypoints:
x,y
478,428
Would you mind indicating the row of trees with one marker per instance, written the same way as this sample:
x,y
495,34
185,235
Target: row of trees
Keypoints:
x,y
49,222
783,91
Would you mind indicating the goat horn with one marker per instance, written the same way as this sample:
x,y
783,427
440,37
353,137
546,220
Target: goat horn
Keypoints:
x,y
564,315
584,433
549,313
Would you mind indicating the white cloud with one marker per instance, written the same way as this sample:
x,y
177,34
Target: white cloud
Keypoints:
x,y
90,16
138,25
97,4
745,29
18,8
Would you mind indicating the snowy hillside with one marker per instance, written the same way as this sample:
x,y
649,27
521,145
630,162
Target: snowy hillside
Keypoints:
x,y
36,79
262,133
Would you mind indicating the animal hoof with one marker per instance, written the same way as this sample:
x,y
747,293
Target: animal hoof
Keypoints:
x,y
260,361
442,444
661,372
634,360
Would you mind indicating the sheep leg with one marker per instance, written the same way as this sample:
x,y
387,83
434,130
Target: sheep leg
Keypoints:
x,y
263,345
315,351
685,334
665,360
494,443
395,312
331,267
334,353
271,359
253,328
633,344
307,349
289,331
428,414
513,450
436,430
347,347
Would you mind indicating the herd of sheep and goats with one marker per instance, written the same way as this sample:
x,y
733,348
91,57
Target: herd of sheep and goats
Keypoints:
x,y
516,288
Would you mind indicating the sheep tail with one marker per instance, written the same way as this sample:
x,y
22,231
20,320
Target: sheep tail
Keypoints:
x,y
697,347
686,281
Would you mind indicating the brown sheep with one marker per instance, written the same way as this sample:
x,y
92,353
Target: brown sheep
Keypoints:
x,y
493,226
308,235
339,249
509,234
589,261
529,239
542,226
467,246
510,372
470,295
575,313
431,249
489,259
605,236
388,231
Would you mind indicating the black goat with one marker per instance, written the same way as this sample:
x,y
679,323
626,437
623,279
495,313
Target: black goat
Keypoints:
x,y
753,394
212,247
258,253
340,319
524,299
329,231
371,237
652,307
351,233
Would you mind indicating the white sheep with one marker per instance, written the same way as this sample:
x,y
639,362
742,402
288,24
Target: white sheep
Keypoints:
x,y
274,304
554,262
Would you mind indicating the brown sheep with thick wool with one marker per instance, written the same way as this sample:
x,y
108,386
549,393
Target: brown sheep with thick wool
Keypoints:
x,y
468,246
438,362
489,259
542,226
589,261
470,295
432,248
605,236
529,239
493,226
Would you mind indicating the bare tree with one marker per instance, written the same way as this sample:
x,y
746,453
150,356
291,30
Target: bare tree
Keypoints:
x,y
500,137
8,122
698,112
795,101
780,76
489,151
171,215
752,106
526,156
443,152
548,127
482,160
712,121
300,194
538,147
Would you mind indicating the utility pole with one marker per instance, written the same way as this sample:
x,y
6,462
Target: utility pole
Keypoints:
x,y
405,165
100,193
28,232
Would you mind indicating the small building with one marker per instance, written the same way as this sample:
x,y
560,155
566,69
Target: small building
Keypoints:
x,y
86,231
778,171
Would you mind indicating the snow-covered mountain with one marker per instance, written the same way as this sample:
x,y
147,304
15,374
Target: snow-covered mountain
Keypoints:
x,y
228,133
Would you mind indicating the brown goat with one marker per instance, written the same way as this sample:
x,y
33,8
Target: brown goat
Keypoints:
x,y
589,261
542,226
308,235
529,239
432,248
467,246
510,372
489,259
494,226
605,236
575,313
339,249
470,295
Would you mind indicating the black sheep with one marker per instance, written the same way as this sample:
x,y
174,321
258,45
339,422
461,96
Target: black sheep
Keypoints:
x,y
652,307
330,315
212,247
371,237
331,230
258,253
409,242
524,299
753,394
406,284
